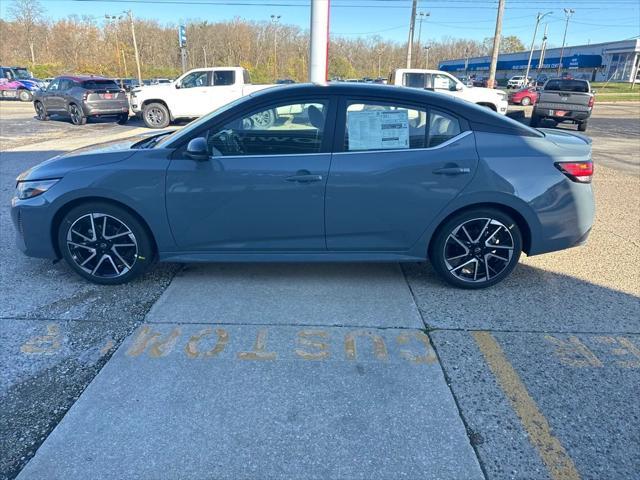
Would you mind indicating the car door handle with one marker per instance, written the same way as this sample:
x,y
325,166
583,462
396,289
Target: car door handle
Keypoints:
x,y
304,178
451,171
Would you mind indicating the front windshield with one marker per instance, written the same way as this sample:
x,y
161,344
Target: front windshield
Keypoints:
x,y
170,140
21,73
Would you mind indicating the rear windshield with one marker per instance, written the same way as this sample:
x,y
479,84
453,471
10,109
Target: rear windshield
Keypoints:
x,y
100,84
579,86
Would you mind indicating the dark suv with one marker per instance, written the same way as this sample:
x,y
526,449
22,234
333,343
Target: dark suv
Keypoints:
x,y
82,97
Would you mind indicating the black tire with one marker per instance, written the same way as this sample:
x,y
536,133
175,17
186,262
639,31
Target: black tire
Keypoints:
x,y
123,118
535,121
156,115
25,95
41,111
492,245
582,126
76,114
80,234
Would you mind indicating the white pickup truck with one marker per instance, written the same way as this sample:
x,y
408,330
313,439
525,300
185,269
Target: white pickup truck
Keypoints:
x,y
446,83
195,93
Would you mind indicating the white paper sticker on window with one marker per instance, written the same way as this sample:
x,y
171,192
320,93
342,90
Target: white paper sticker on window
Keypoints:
x,y
441,82
378,129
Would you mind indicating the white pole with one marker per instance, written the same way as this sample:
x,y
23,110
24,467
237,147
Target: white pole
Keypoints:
x,y
319,48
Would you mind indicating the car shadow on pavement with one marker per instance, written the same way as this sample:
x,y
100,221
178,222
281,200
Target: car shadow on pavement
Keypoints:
x,y
530,299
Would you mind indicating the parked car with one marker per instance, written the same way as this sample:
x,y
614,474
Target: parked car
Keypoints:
x,y
354,172
519,81
563,100
82,97
525,96
284,81
191,95
443,82
466,81
480,82
541,80
18,83
127,84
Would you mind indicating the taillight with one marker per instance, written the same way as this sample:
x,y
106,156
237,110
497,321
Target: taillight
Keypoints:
x,y
577,171
591,101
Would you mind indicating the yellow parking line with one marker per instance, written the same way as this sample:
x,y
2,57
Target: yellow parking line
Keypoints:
x,y
553,454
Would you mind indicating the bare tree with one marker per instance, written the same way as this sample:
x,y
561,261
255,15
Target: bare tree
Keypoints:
x,y
28,14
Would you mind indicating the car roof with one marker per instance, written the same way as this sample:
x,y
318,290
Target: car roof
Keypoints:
x,y
481,117
82,78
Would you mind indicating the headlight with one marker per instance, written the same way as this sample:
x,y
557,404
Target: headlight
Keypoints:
x,y
502,95
33,188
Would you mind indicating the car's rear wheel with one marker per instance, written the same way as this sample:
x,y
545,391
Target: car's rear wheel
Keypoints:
x,y
104,243
76,114
535,121
123,118
582,126
525,101
41,111
476,248
156,115
25,95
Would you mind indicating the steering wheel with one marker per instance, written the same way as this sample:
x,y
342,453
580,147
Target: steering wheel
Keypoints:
x,y
229,142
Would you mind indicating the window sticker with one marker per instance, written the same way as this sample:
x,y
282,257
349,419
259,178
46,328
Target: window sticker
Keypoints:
x,y
378,129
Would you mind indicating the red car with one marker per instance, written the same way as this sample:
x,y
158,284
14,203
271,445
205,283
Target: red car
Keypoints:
x,y
524,96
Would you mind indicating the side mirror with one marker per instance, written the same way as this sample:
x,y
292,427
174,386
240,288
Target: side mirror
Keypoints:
x,y
594,91
197,149
177,85
459,87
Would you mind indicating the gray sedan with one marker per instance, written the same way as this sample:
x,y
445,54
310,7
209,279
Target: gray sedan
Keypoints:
x,y
304,173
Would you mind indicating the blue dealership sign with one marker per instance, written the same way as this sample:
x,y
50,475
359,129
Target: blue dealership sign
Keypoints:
x,y
574,61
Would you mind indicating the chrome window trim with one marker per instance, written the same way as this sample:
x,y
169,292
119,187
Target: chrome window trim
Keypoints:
x,y
460,136
272,155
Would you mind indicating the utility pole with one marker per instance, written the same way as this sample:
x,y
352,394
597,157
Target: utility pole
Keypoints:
x,y
135,44
422,16
274,20
567,13
495,51
539,17
204,51
380,51
319,41
182,43
543,49
412,25
426,56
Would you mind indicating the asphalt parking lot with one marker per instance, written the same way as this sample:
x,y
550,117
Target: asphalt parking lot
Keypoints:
x,y
325,371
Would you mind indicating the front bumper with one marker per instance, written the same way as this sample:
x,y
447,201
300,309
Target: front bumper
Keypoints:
x,y
502,106
33,227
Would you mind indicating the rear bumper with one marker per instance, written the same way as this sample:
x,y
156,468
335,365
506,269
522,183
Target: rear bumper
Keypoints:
x,y
113,108
549,112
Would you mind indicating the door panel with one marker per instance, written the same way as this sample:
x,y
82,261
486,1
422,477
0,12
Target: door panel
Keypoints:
x,y
383,200
262,187
247,203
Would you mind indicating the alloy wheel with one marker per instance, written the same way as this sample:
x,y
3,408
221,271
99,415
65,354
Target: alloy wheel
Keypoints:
x,y
75,114
102,245
40,111
478,250
155,116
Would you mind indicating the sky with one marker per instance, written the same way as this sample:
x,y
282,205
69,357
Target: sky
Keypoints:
x,y
594,21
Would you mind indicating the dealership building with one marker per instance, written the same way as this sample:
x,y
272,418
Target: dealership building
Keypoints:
x,y
611,61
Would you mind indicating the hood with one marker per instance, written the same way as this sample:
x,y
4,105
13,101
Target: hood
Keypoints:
x,y
151,88
94,155
31,84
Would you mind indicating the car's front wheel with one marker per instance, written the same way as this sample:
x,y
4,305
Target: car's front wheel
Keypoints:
x,y
104,243
156,115
476,248
25,95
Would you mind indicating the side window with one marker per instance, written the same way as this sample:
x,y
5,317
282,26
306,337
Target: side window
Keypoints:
x,y
224,77
280,129
376,126
414,80
442,127
195,79
54,85
443,82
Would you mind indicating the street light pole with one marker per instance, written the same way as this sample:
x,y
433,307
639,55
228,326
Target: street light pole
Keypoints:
x,y
426,56
274,20
543,48
567,13
539,17
113,19
422,16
